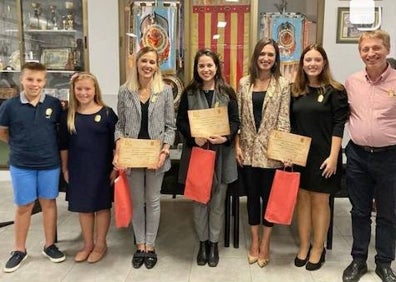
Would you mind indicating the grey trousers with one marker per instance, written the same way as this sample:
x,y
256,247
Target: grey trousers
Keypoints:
x,y
145,186
209,218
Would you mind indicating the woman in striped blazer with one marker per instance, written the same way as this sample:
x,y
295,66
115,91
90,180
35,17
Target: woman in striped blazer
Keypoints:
x,y
145,109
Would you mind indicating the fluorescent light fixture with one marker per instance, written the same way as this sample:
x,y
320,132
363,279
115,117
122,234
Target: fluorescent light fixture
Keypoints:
x,y
216,36
232,1
221,24
362,11
362,14
130,34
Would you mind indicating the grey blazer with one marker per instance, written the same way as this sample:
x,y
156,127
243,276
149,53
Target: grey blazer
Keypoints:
x,y
161,120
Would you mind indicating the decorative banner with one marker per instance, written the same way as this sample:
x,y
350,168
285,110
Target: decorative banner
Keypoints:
x,y
292,33
230,42
155,26
288,32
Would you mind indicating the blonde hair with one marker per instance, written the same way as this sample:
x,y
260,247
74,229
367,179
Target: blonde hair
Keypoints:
x,y
300,85
133,84
378,34
73,102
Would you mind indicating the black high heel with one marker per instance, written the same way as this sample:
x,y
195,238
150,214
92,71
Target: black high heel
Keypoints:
x,y
301,262
315,266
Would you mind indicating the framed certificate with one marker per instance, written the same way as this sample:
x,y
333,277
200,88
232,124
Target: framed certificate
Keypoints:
x,y
135,153
209,122
55,58
284,146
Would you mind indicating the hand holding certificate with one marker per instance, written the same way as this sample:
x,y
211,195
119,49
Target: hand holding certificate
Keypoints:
x,y
209,122
284,146
138,152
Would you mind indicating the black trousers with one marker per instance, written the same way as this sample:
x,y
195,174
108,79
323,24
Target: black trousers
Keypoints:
x,y
372,175
257,183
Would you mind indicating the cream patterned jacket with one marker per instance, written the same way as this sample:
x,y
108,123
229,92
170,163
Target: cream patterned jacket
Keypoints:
x,y
275,115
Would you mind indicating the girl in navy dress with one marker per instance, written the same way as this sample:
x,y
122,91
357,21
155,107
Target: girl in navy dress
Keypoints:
x,y
87,142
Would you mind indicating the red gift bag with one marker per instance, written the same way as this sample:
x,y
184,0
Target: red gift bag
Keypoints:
x,y
122,201
200,175
283,196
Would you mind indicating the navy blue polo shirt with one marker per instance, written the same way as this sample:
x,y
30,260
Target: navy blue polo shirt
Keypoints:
x,y
32,131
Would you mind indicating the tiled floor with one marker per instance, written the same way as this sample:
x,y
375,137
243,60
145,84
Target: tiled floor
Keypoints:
x,y
176,248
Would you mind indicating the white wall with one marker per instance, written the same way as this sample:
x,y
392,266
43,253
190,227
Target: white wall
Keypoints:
x,y
344,58
103,41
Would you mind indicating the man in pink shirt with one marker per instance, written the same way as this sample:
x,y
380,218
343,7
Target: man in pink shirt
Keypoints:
x,y
371,157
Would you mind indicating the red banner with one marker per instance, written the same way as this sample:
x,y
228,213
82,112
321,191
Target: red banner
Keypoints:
x,y
231,42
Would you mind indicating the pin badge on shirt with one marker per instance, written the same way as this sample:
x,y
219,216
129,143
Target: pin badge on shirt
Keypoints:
x,y
391,93
97,118
48,113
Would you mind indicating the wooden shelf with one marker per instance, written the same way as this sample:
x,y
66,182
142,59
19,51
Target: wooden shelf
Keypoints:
x,y
50,31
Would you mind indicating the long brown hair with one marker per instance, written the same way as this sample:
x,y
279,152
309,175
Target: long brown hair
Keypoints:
x,y
300,85
254,70
220,85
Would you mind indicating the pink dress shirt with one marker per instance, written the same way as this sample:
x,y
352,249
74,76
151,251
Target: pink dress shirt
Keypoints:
x,y
372,120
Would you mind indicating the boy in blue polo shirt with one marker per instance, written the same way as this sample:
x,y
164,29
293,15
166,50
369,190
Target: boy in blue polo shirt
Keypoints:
x,y
28,123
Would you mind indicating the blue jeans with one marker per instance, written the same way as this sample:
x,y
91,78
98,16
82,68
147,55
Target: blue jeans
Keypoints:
x,y
372,175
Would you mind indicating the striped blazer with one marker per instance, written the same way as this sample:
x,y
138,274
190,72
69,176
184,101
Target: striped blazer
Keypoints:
x,y
161,117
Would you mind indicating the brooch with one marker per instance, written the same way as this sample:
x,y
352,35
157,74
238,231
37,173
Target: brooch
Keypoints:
x,y
321,93
97,118
48,113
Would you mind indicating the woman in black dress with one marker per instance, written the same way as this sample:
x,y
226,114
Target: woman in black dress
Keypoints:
x,y
319,110
87,142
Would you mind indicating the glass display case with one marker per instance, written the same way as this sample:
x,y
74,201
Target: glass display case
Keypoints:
x,y
51,32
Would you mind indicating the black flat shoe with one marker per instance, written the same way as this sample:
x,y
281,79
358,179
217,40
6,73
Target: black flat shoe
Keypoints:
x,y
315,266
150,259
213,258
301,262
203,252
138,258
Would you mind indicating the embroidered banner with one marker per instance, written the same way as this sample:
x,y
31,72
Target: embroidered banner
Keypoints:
x,y
156,26
292,32
231,42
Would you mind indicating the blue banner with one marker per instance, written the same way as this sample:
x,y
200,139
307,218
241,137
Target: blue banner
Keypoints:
x,y
155,26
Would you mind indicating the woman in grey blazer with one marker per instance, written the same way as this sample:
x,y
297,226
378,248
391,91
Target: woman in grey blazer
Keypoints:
x,y
208,90
145,109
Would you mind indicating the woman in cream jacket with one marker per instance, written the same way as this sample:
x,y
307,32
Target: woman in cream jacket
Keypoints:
x,y
264,102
